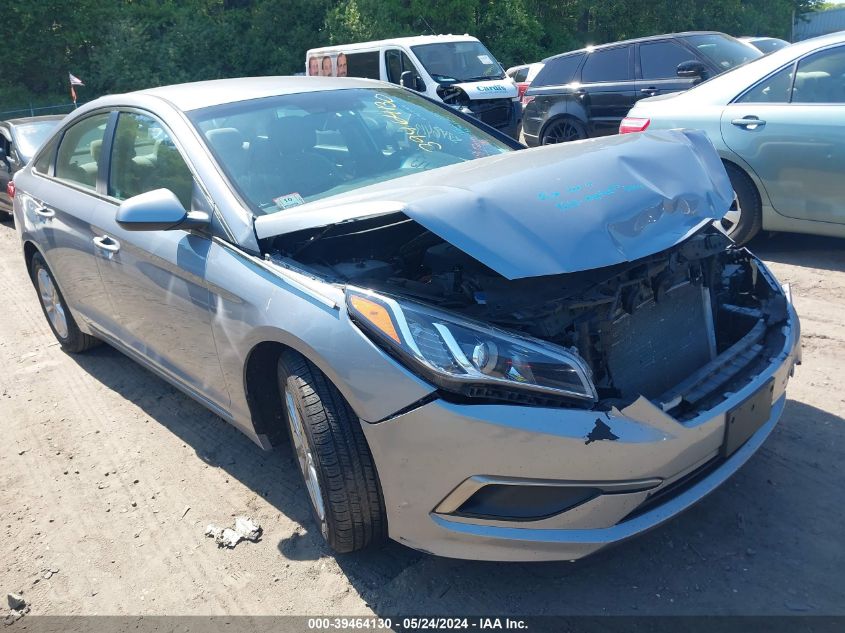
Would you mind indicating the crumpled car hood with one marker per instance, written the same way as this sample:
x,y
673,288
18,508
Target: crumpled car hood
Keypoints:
x,y
551,210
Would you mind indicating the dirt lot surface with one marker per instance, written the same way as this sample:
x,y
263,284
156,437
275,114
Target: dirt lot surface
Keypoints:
x,y
109,476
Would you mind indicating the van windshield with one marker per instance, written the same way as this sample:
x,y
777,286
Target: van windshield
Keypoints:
x,y
280,152
458,62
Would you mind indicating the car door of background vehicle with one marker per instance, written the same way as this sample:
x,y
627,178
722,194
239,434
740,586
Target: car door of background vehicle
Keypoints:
x,y
657,64
396,61
608,88
5,170
67,200
791,133
156,279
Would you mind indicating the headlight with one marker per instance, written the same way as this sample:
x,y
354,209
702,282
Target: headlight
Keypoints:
x,y
470,358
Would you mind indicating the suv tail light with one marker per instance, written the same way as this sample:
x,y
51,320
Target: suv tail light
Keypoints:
x,y
633,124
10,189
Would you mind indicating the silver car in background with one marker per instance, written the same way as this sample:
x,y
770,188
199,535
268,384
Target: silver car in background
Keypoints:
x,y
777,123
481,351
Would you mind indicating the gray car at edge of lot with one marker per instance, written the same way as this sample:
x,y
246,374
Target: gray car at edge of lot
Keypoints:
x,y
19,139
777,123
479,350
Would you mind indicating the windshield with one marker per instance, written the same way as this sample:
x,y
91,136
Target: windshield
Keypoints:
x,y
283,151
30,136
724,51
458,62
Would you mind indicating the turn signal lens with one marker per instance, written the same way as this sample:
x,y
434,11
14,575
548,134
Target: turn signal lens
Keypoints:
x,y
376,314
10,189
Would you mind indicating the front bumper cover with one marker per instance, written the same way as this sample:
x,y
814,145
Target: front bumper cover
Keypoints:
x,y
425,454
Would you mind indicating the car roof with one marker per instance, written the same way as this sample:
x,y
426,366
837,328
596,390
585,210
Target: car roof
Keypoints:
x,y
33,119
728,85
202,94
415,40
650,38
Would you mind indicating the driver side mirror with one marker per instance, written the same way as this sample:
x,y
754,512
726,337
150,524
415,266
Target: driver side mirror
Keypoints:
x,y
692,68
158,210
409,79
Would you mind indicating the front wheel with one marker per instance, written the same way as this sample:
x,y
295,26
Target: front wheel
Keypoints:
x,y
333,457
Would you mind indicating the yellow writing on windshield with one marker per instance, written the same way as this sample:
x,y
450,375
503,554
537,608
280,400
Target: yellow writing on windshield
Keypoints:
x,y
389,110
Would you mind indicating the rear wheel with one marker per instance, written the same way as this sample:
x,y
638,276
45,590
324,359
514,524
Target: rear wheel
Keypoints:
x,y
745,217
333,457
563,131
53,304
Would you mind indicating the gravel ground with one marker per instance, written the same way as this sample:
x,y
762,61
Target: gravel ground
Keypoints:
x,y
109,476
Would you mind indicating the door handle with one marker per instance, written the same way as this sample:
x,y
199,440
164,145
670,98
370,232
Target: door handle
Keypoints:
x,y
106,243
650,91
44,212
749,123
580,92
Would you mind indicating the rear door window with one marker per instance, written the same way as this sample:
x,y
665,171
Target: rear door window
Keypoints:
x,y
558,71
607,65
659,60
361,65
80,150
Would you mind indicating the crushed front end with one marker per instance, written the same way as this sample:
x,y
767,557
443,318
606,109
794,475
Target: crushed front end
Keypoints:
x,y
601,355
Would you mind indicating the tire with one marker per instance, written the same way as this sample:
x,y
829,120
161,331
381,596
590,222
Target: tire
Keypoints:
x,y
334,458
562,130
55,309
745,217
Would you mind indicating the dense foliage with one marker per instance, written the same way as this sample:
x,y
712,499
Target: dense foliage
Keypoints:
x,y
128,44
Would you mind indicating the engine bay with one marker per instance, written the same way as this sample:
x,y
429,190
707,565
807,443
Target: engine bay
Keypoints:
x,y
673,327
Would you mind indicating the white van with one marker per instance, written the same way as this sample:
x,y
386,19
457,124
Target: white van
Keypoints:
x,y
455,69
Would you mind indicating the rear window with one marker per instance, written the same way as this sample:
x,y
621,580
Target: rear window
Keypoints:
x,y
558,71
607,65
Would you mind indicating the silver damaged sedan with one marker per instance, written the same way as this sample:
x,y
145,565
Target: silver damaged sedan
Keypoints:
x,y
478,350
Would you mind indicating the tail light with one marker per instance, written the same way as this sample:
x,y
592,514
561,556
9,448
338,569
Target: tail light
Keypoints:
x,y
526,99
10,189
633,124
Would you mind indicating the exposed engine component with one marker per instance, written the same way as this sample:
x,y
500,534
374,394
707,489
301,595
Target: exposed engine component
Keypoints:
x,y
645,328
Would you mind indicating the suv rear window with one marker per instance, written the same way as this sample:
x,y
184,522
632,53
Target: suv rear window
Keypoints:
x,y
607,65
558,71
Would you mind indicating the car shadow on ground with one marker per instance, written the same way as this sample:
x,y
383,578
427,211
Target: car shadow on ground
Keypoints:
x,y
812,251
767,542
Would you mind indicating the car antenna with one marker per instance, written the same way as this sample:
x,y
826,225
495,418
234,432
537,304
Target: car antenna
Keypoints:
x,y
428,25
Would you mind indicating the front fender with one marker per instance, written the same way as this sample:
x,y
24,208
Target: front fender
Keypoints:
x,y
255,302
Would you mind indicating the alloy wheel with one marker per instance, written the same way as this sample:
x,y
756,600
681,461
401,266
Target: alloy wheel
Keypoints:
x,y
732,218
561,132
305,457
49,295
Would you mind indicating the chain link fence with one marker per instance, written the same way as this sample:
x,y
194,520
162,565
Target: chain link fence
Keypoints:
x,y
63,108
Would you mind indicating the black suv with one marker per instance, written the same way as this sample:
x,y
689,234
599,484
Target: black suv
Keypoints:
x,y
588,92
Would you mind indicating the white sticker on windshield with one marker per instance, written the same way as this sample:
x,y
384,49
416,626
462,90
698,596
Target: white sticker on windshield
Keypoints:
x,y
485,59
288,200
